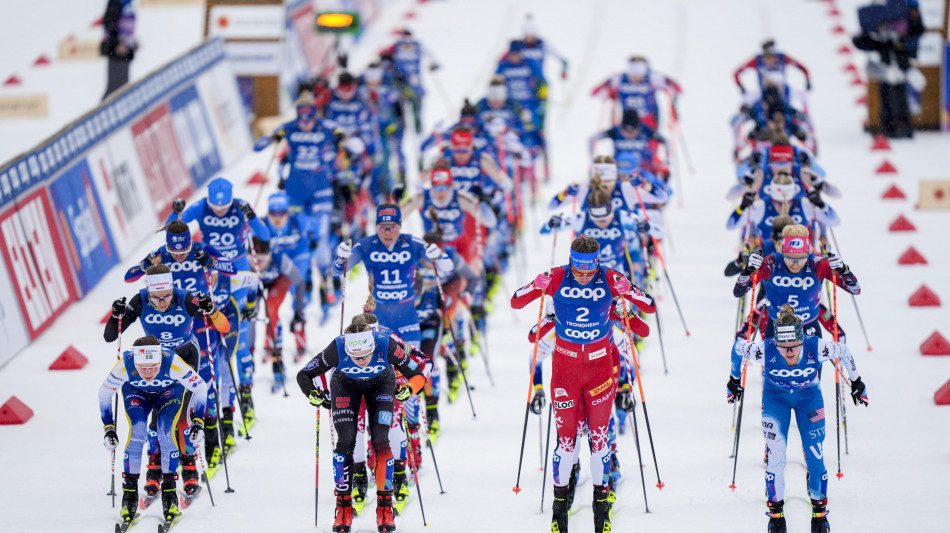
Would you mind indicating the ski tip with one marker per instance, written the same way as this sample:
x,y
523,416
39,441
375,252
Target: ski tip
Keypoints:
x,y
733,487
516,490
660,485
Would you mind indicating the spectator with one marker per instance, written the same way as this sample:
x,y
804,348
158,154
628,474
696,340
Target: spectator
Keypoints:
x,y
892,30
118,43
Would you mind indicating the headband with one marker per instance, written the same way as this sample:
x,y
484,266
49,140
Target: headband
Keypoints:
x,y
794,245
147,355
607,172
599,212
789,332
159,282
178,243
359,344
388,214
584,261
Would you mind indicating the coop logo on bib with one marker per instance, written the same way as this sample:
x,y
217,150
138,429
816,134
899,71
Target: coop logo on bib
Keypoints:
x,y
221,222
586,293
799,283
171,320
390,257
793,373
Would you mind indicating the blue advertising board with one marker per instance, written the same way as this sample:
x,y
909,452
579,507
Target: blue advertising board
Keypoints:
x,y
195,135
89,248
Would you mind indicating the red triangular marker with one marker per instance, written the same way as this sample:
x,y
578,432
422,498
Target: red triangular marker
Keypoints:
x,y
409,15
14,412
850,68
257,179
942,396
12,80
886,168
41,61
844,50
834,12
862,100
935,344
97,22
857,80
901,224
70,359
893,192
880,143
911,257
924,297
838,29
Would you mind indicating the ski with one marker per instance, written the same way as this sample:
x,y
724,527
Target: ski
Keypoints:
x,y
165,526
399,506
147,500
125,525
188,499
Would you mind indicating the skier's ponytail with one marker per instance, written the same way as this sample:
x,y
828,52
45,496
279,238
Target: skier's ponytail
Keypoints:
x,y
786,315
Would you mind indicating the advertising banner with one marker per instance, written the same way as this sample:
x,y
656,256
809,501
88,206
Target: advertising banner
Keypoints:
x,y
165,171
13,335
195,137
89,246
123,194
34,257
227,112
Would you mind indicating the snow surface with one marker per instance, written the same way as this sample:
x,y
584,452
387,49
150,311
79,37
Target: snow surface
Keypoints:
x,y
896,476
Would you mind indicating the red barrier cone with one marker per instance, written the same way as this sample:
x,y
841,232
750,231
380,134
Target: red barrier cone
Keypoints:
x,y
14,412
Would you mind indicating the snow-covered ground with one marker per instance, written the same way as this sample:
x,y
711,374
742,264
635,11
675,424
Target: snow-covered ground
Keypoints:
x,y
897,472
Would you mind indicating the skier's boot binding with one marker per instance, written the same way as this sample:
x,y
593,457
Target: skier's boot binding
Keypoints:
x,y
400,482
130,496
560,507
776,516
360,482
170,497
819,516
601,509
344,513
385,522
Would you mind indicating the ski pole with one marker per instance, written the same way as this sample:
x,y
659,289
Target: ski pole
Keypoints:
x,y
204,472
425,421
482,346
343,293
643,402
547,452
844,411
447,320
316,469
853,299
659,330
834,293
666,273
415,472
745,366
115,410
636,439
534,361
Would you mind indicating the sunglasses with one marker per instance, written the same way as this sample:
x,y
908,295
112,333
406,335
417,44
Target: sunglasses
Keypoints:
x,y
583,273
388,226
788,349
161,299
795,260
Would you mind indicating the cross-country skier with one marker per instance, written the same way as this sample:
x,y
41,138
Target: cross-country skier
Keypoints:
x,y
792,362
636,88
151,378
770,66
363,361
584,374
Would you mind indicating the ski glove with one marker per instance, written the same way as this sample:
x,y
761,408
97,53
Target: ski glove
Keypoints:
x,y
859,392
398,192
837,264
538,400
749,178
624,400
178,205
621,285
433,251
298,321
317,398
204,258
403,392
643,226
755,261
248,211
555,221
542,281
196,433
111,439
814,196
735,390
150,260
344,250
119,307
206,304
747,199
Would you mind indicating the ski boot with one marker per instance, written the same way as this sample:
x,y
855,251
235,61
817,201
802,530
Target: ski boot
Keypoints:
x,y
572,484
819,516
130,497
614,477
432,416
400,482
385,522
247,407
344,513
170,508
452,373
277,364
601,509
227,428
415,445
560,508
212,444
189,476
153,476
776,516
360,482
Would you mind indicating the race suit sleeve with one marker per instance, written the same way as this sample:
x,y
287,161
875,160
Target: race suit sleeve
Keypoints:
x,y
218,320
320,364
830,350
529,293
113,382
355,257
745,282
848,282
401,359
135,273
189,378
743,349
